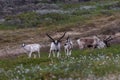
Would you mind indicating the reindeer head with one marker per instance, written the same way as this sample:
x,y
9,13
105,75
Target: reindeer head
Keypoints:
x,y
107,40
23,45
68,39
56,41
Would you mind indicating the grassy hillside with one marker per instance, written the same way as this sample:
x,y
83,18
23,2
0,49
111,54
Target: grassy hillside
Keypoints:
x,y
88,18
65,15
85,19
83,64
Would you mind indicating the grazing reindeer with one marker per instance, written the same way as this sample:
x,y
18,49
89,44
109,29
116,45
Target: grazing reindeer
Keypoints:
x,y
104,43
94,42
30,48
55,45
87,42
68,46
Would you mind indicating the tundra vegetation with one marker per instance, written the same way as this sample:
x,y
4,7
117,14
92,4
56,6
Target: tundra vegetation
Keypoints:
x,y
93,64
83,64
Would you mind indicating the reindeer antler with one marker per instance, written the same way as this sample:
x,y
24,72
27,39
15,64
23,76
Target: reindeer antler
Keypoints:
x,y
109,38
50,37
61,36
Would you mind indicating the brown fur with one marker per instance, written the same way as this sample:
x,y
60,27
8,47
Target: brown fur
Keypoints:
x,y
88,42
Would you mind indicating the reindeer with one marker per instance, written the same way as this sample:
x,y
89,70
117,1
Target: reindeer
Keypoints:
x,y
104,43
55,45
68,46
94,42
87,42
30,48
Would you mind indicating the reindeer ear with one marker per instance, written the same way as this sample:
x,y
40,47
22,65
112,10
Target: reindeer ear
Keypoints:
x,y
68,37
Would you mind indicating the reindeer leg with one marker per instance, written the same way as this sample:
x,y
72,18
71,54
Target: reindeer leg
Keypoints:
x,y
58,53
81,46
53,53
30,55
39,53
70,52
34,55
67,52
50,53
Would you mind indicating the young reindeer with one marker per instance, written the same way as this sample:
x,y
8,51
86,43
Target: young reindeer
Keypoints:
x,y
68,46
55,45
30,48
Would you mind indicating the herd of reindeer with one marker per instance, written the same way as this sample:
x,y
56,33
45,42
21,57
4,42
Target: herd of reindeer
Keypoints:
x,y
55,47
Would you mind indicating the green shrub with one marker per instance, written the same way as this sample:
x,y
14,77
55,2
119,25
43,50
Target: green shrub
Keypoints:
x,y
81,12
110,5
29,19
56,16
